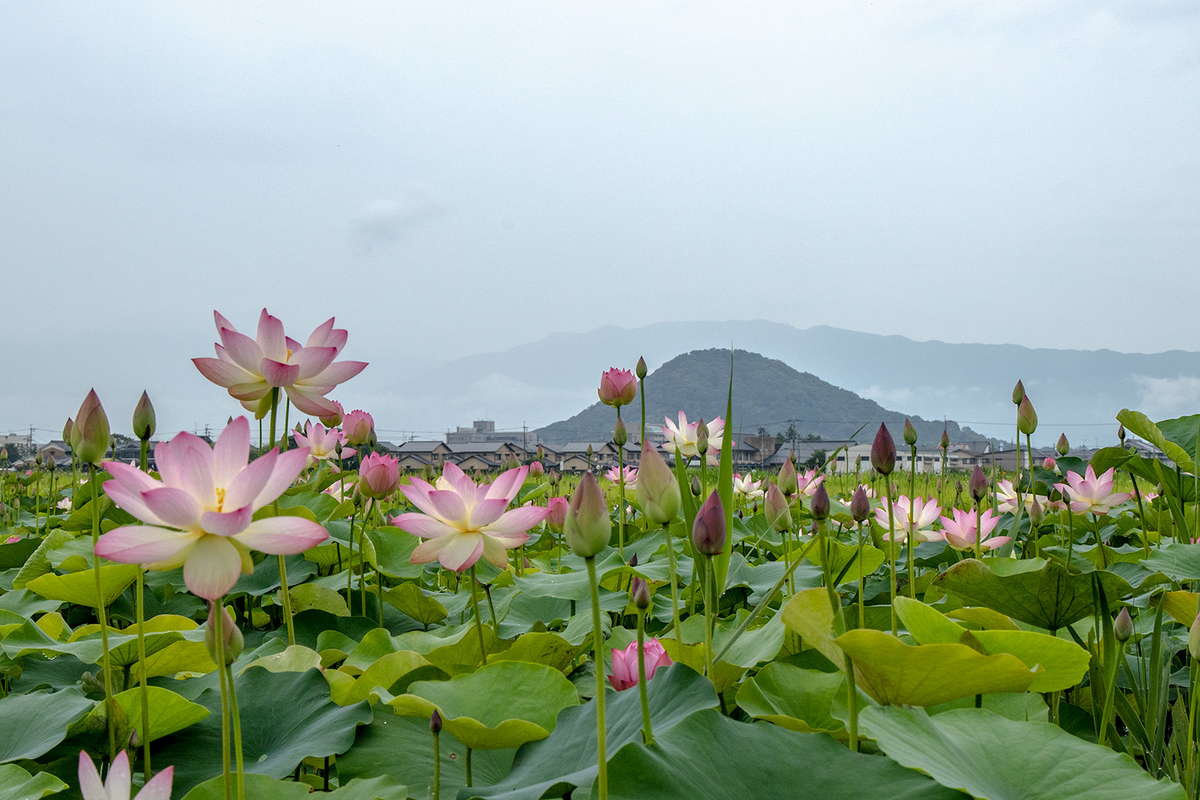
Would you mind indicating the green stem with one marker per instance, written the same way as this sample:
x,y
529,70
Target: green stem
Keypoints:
x,y
102,616
912,520
708,615
621,489
478,620
437,766
468,766
674,585
223,677
647,732
236,716
143,691
598,640
862,607
892,552
283,582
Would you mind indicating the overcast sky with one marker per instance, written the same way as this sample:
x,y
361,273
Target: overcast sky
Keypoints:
x,y
452,178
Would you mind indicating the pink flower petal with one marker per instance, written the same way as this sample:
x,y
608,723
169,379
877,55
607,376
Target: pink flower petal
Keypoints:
x,y
287,467
282,536
271,338
248,484
90,785
428,550
508,484
212,568
230,452
460,551
312,360
244,351
175,507
278,373
255,390
518,520
310,402
338,372
486,512
159,787
423,526
450,507
320,334
226,523
131,502
143,544
222,373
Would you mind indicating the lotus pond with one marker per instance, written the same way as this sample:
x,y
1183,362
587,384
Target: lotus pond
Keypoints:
x,y
282,612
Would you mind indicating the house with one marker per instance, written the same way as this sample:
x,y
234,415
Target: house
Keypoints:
x,y
427,452
492,454
573,456
483,431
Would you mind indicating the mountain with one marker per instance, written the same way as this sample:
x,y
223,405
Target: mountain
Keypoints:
x,y
767,393
1076,391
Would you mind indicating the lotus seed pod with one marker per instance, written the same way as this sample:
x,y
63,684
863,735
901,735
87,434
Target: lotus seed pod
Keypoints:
x,y
883,451
143,418
1026,417
910,433
588,527
708,531
1123,626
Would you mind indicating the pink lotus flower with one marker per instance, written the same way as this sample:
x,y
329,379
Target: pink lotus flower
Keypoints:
x,y
12,540
682,437
961,532
918,514
1089,494
618,387
379,475
1006,498
625,664
333,418
629,476
747,487
250,368
358,427
462,521
322,443
120,781
807,482
199,516
1049,463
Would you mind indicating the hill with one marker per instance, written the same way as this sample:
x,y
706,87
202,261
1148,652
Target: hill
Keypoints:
x,y
767,393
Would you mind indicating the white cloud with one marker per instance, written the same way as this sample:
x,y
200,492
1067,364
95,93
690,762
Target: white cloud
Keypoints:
x,y
387,220
1163,398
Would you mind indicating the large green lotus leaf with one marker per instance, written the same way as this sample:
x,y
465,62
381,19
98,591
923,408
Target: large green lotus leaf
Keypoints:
x,y
542,647
793,697
449,647
402,748
309,596
296,658
1180,562
14,554
754,646
502,705
34,723
724,675
1050,598
1181,606
809,614
567,758
411,600
17,784
894,673
845,562
710,756
88,647
403,667
286,717
928,625
265,578
995,758
1140,425
380,788
258,787
374,646
393,552
80,587
169,712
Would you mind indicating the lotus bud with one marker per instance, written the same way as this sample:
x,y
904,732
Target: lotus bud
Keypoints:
x,y
657,489
883,451
1062,446
945,442
1036,512
787,481
3,455
639,593
558,513
702,438
143,418
633,560
1121,434
231,636
1123,626
978,484
589,451
3,505
1026,417
358,427
67,430
91,429
857,463
378,475
708,531
820,503
640,369
620,435
541,452
1018,393
49,463
779,515
860,506
536,470
333,418
695,486
588,526
435,722
37,459
555,476
958,487
910,433
429,473
512,462
617,387
1194,639
792,458
1049,463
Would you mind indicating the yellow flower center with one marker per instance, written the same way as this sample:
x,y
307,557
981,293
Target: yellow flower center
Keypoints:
x,y
220,500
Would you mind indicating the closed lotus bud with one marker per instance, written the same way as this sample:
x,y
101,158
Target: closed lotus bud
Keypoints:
x,y
143,418
820,503
557,507
857,463
1026,417
91,430
945,442
1194,639
792,458
512,462
639,593
536,470
910,433
1123,626
695,486
4,455
640,369
1049,463
555,476
589,451
1018,393
1036,512
708,531
775,506
1121,434
428,472
378,475
67,430
588,526
331,419
620,435
358,427
617,387
702,438
883,451
633,560
37,459
1062,446
435,722
541,452
787,481
978,484
231,636
657,489
860,506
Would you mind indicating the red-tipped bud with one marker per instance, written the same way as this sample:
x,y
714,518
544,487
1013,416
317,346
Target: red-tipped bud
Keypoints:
x,y
67,430
787,481
1026,417
639,593
512,462
695,486
91,430
945,442
860,506
633,560
588,526
1018,393
558,513
143,418
358,427
820,503
620,435
1050,463
536,470
435,722
775,506
618,387
1123,626
883,451
978,484
378,475
640,370
708,531
910,433
657,489
1062,446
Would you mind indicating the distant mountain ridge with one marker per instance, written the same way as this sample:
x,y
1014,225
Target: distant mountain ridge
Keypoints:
x,y
767,393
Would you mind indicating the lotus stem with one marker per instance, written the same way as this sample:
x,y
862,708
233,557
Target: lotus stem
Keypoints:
x,y
708,616
143,690
912,520
892,547
236,718
283,582
437,765
598,639
647,731
224,679
102,616
862,603
478,620
674,585
621,489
